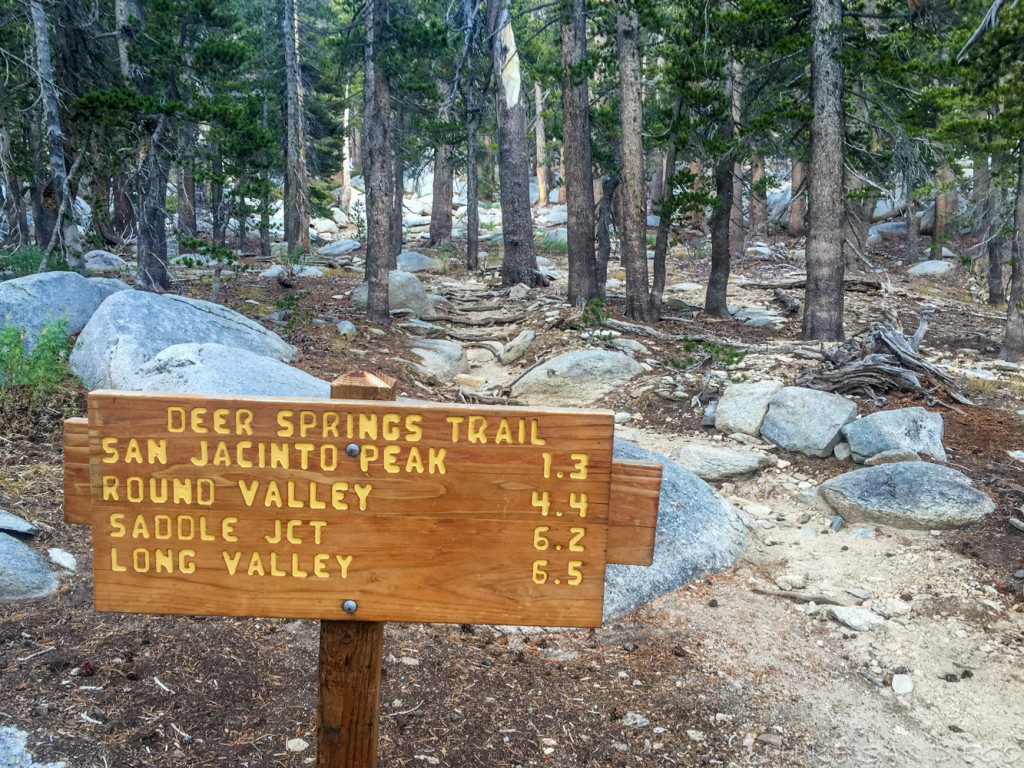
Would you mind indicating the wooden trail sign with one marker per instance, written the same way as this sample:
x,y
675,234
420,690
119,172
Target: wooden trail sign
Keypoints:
x,y
245,506
356,511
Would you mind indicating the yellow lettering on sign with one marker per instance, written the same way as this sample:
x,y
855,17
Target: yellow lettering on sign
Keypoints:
x,y
231,563
504,433
390,459
248,491
389,426
320,566
338,495
344,562
414,432
202,459
204,491
140,530
110,485
415,462
221,457
290,535
285,428
536,439
293,502
274,570
182,490
133,453
477,429
243,422
163,560
196,421
227,528
158,494
108,444
175,419
330,426
318,526
367,456
140,560
240,459
273,495
436,460
119,529
362,492
367,426
296,572
256,564
279,455
455,421
304,450
328,457
307,420
133,486
162,527
185,564
114,565
156,450
220,417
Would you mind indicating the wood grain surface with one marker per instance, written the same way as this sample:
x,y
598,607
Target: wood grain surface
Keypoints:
x,y
252,507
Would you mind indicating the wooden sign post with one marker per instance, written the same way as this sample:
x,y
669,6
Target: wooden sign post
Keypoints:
x,y
356,511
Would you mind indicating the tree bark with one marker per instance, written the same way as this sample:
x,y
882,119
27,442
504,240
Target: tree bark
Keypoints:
x,y
945,205
357,150
379,173
152,250
716,299
217,208
632,193
14,207
346,156
127,14
296,203
665,216
758,199
577,160
913,223
798,199
540,146
187,225
698,218
824,297
51,115
441,206
472,191
519,262
736,227
1013,340
857,223
981,189
398,190
609,185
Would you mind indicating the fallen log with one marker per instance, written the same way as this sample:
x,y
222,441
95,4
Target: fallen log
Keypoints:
x,y
481,321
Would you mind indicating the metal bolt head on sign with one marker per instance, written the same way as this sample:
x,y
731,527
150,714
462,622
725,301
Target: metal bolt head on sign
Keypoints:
x,y
247,506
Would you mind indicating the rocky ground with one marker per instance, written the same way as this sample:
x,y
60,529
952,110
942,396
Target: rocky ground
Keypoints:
x,y
828,643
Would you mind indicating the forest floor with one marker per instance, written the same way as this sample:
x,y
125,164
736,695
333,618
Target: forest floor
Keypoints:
x,y
724,672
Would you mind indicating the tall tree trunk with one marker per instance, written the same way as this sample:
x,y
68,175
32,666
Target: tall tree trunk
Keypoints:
x,y
472,191
945,206
441,206
562,195
758,199
665,216
152,250
51,116
995,240
541,147
609,185
242,216
265,224
126,221
102,219
1013,340
43,216
698,216
379,175
519,262
346,156
913,223
127,13
824,298
296,203
217,208
632,193
981,190
577,160
398,201
187,224
357,150
14,207
736,228
798,199
716,299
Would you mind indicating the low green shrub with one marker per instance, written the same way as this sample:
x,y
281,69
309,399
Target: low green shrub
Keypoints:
x,y
34,396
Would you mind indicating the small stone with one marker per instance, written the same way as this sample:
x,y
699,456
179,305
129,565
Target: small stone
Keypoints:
x,y
618,745
475,383
835,522
860,593
622,417
296,745
696,735
347,329
1019,574
842,451
770,738
902,684
632,719
518,292
409,661
857,618
1018,524
64,559
862,533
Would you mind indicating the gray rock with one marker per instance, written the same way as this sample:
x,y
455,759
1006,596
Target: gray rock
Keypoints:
x,y
576,378
806,420
11,523
347,329
64,559
743,406
890,228
411,261
13,751
904,429
910,494
634,720
519,291
103,261
891,457
424,330
927,220
874,238
709,463
842,451
298,270
630,345
698,533
405,291
653,221
218,369
930,267
30,302
339,247
516,348
443,359
556,236
132,327
23,573
708,419
858,618
902,684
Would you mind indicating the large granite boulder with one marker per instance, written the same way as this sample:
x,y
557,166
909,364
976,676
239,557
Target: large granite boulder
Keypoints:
x,y
413,261
806,420
906,429
132,327
23,572
405,291
103,261
698,533
443,359
744,405
30,302
910,494
576,378
216,369
710,463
